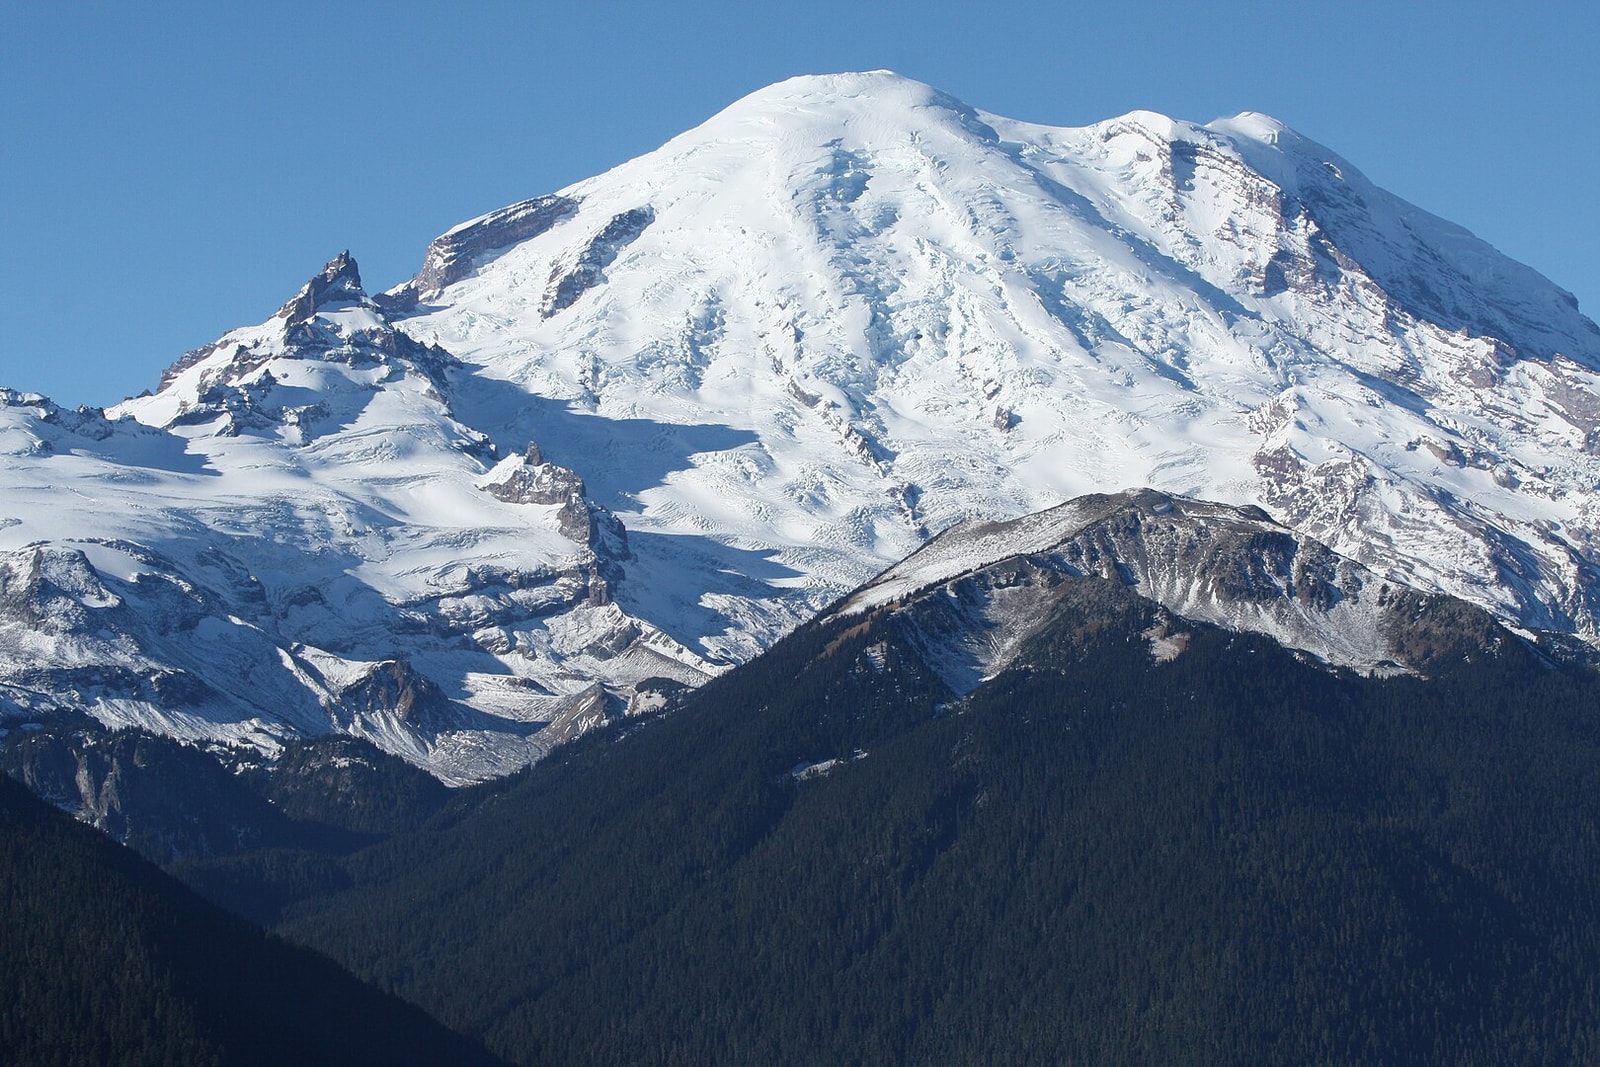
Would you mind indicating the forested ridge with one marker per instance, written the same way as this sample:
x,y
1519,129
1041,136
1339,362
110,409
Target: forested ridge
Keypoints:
x,y
1097,857
105,959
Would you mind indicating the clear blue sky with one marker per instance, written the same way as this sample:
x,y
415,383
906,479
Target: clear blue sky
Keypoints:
x,y
171,170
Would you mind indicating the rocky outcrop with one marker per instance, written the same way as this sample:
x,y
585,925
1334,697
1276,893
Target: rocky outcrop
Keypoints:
x,y
454,255
50,590
339,282
972,596
531,480
570,279
85,423
392,689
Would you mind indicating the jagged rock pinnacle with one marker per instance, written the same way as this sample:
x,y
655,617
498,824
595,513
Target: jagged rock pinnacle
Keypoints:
x,y
338,282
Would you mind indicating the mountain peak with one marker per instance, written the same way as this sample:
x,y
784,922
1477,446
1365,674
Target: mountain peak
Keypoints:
x,y
842,84
1255,125
339,282
336,286
880,98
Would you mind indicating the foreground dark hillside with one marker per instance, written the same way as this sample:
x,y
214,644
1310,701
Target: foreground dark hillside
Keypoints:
x,y
105,959
1097,857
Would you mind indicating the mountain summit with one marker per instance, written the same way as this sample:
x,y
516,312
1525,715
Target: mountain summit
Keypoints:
x,y
904,312
620,436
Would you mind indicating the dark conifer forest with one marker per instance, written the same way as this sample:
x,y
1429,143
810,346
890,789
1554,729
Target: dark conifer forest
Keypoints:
x,y
106,960
1096,857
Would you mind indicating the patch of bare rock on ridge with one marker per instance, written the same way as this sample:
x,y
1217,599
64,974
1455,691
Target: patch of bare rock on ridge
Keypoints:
x,y
455,255
569,281
972,597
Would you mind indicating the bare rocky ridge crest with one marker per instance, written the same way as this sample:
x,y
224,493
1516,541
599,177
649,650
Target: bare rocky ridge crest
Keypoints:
x,y
971,597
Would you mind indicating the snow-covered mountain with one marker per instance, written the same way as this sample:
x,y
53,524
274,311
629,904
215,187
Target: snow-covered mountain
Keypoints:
x,y
296,535
896,311
642,426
